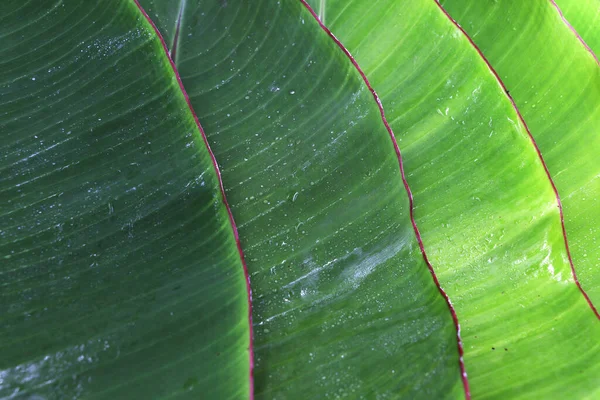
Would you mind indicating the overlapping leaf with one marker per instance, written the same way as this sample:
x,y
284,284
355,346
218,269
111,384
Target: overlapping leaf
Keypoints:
x,y
556,84
120,272
344,304
583,16
120,276
487,211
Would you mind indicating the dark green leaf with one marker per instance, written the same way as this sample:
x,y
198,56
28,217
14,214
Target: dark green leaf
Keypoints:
x,y
120,276
344,304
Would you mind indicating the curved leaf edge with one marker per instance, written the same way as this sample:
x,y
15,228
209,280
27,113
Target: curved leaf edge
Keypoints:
x,y
572,28
442,292
534,143
221,189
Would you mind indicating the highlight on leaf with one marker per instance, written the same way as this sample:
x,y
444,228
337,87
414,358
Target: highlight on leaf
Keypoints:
x,y
223,199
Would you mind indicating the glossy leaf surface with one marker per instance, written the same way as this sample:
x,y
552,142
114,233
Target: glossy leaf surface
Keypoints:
x,y
486,209
344,304
584,18
556,84
120,276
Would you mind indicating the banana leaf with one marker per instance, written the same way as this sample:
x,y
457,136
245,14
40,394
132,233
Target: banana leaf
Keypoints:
x,y
343,301
555,80
583,18
495,230
299,199
120,273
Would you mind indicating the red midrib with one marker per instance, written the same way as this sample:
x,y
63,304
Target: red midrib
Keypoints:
x,y
410,198
221,188
538,151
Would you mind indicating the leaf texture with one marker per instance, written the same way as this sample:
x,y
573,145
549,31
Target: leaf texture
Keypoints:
x,y
120,273
486,208
344,303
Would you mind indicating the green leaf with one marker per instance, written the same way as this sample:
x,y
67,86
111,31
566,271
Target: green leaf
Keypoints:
x,y
554,80
120,273
343,303
583,17
486,209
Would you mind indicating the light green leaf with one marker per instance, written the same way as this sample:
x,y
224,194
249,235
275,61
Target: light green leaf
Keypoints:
x,y
486,209
583,17
120,275
556,84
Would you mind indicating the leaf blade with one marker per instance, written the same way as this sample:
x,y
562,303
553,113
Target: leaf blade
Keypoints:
x,y
111,218
291,102
449,113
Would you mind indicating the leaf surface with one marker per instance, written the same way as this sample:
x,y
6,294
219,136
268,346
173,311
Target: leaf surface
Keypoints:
x,y
120,275
583,17
555,81
344,303
485,206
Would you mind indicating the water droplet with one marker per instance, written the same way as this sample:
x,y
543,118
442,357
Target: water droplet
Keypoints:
x,y
190,383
